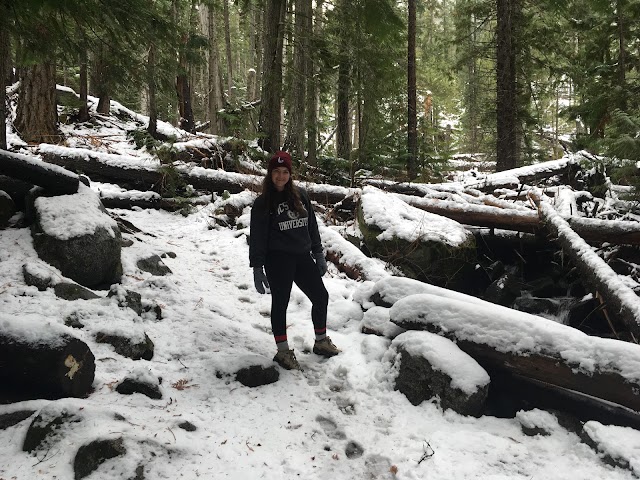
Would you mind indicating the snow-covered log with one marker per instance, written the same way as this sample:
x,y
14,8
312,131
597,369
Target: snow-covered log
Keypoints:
x,y
533,347
522,220
133,172
620,301
33,170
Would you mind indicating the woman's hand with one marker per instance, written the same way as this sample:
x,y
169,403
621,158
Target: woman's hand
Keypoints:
x,y
260,280
321,263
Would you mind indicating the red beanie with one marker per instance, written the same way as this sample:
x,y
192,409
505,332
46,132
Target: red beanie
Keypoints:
x,y
280,159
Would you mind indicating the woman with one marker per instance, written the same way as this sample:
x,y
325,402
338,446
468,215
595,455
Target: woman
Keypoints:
x,y
283,235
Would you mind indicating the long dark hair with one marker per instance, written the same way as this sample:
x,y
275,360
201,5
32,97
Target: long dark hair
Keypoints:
x,y
291,193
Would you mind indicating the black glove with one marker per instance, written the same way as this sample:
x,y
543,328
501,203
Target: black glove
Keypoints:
x,y
321,263
260,279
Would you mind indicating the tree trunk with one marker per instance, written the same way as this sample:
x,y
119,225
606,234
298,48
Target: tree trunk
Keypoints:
x,y
314,27
295,137
227,43
4,67
37,114
270,114
215,91
622,55
412,119
100,83
83,115
152,128
343,131
506,103
53,179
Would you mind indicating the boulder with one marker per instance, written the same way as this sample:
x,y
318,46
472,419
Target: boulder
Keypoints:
x,y
432,366
257,375
128,347
7,208
42,360
76,235
412,240
153,265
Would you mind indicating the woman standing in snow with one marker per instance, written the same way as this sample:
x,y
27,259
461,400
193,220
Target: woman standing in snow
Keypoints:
x,y
283,236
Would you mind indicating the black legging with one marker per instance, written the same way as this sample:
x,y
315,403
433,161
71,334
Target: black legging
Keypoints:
x,y
282,270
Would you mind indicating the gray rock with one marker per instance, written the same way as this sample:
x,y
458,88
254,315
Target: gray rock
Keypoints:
x,y
153,265
90,456
126,347
89,259
257,375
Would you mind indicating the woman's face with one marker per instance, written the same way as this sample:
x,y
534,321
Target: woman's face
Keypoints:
x,y
280,176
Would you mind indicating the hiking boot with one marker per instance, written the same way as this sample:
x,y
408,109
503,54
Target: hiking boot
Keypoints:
x,y
287,360
325,347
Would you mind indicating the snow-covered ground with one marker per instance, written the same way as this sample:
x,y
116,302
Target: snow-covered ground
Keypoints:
x,y
339,419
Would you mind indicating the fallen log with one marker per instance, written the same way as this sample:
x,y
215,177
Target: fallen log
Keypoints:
x,y
533,347
127,172
528,221
349,259
620,301
157,203
42,361
52,178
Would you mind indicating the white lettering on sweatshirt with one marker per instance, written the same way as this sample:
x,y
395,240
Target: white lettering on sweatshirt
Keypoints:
x,y
297,223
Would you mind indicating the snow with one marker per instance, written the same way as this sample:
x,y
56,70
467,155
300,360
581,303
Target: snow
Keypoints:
x,y
511,331
215,323
397,219
69,216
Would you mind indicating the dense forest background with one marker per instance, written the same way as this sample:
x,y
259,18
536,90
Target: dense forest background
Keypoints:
x,y
380,86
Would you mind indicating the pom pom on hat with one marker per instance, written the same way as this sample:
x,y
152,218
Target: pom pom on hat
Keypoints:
x,y
280,159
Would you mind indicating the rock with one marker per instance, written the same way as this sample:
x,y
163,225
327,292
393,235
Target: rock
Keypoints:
x,y
73,291
604,439
10,419
90,456
153,265
126,347
130,386
7,208
257,375
76,235
432,366
418,249
126,298
187,426
47,428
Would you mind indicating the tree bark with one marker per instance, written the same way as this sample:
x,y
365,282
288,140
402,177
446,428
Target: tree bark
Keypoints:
x,y
311,69
83,115
227,43
343,131
506,99
412,117
37,114
100,82
35,171
216,102
295,136
152,128
4,67
270,114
